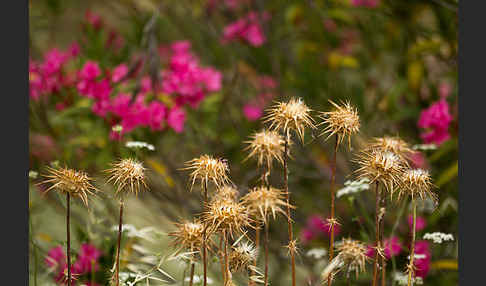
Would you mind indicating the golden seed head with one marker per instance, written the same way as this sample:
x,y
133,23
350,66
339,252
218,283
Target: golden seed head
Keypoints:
x,y
265,146
242,256
226,192
353,254
127,174
417,182
188,235
227,215
206,168
342,121
261,201
380,166
392,144
76,183
293,115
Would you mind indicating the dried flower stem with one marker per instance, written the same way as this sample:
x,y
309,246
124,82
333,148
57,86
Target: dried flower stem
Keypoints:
x,y
382,229
68,236
120,223
377,233
192,274
257,244
226,258
412,251
287,197
223,263
266,255
333,180
204,237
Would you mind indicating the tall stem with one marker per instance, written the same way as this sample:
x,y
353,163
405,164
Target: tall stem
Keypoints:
x,y
287,197
222,261
266,255
412,251
377,233
120,224
204,237
257,244
226,258
382,230
68,236
192,274
333,180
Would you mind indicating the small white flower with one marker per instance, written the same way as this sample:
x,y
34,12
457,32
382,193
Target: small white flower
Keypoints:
x,y
438,237
198,279
33,174
402,279
424,147
352,187
139,144
317,253
417,256
117,128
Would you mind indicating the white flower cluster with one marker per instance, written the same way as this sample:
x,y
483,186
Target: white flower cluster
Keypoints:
x,y
402,279
139,144
417,256
424,147
316,253
438,237
33,174
198,279
351,187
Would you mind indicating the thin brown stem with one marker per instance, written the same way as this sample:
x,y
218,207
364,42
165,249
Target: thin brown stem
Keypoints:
x,y
382,230
222,262
120,223
333,180
204,237
68,236
266,255
287,198
412,251
226,258
377,233
192,274
257,244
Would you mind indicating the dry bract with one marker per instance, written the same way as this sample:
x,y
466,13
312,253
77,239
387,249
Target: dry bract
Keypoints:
x,y
417,182
242,256
127,174
226,215
266,146
343,121
226,192
206,168
292,115
76,183
261,201
188,235
393,144
353,254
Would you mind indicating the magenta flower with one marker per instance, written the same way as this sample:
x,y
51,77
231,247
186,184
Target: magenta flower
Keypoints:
x,y
119,72
93,19
87,259
420,223
56,257
74,49
422,264
417,160
435,120
365,3
392,247
307,235
176,119
90,71
320,226
247,29
252,112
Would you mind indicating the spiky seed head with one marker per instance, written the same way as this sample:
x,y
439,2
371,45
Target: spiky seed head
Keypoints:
x,y
292,115
353,254
417,182
242,256
226,192
207,168
384,167
262,201
266,146
127,175
188,235
395,145
343,121
227,215
65,180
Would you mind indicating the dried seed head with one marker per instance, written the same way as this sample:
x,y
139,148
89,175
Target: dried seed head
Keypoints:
x,y
292,115
393,144
226,215
188,235
343,122
70,181
265,146
206,168
226,192
353,254
127,174
242,256
417,182
261,201
380,166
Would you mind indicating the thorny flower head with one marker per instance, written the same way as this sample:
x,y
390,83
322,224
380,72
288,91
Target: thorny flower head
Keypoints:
x,y
76,183
188,235
206,168
226,192
342,122
380,166
127,174
266,146
417,182
393,144
261,201
226,215
242,256
291,115
352,254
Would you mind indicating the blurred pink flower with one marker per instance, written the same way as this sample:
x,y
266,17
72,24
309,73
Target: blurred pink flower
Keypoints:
x,y
176,119
422,264
320,226
56,257
392,247
252,112
119,72
436,120
445,90
93,19
420,223
307,235
418,160
365,3
90,71
247,29
74,49
87,259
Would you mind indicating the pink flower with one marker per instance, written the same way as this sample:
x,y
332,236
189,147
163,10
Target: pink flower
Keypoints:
x,y
306,235
422,264
320,226
55,257
252,112
420,223
119,72
90,71
87,259
176,119
436,119
417,159
74,49
268,82
392,247
53,61
93,19
246,29
157,115
365,3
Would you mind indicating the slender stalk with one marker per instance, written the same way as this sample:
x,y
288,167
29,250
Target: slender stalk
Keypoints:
x,y
377,233
257,244
192,274
68,236
221,249
204,238
266,255
287,197
382,230
333,180
120,225
412,252
226,260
